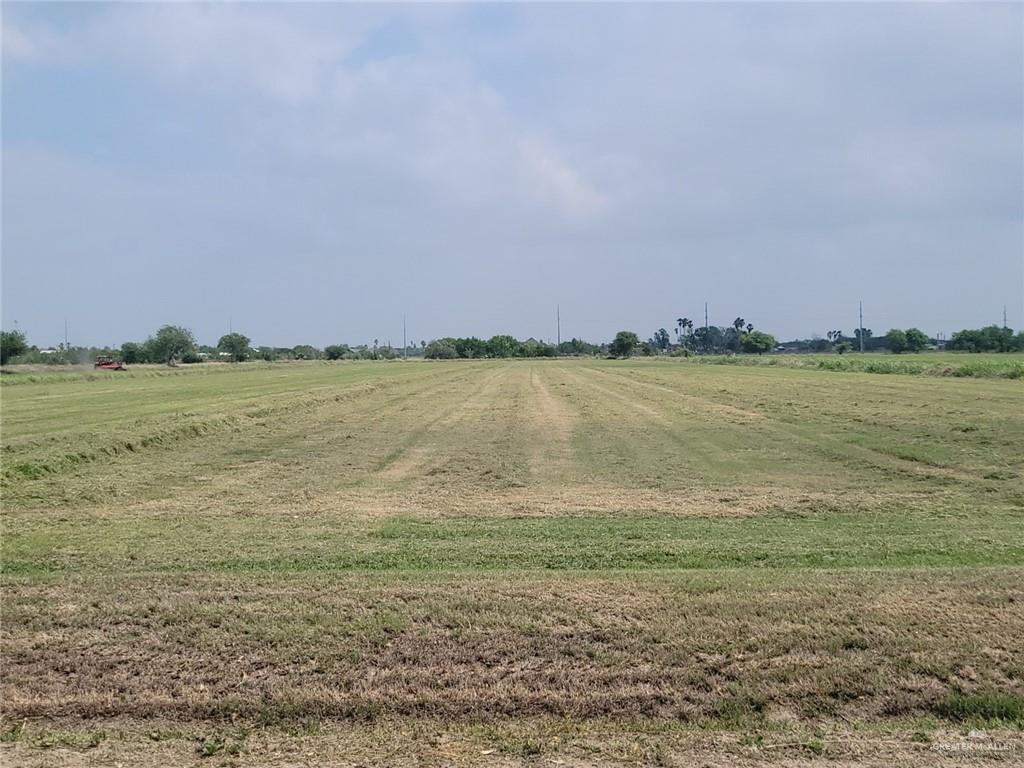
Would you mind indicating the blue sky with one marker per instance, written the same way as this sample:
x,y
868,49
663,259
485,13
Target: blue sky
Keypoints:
x,y
313,171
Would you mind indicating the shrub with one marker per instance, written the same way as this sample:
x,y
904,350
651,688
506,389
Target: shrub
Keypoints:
x,y
441,349
624,344
896,341
12,344
758,342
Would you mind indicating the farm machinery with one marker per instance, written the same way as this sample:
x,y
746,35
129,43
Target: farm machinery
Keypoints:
x,y
107,363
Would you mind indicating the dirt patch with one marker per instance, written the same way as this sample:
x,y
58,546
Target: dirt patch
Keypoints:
x,y
407,464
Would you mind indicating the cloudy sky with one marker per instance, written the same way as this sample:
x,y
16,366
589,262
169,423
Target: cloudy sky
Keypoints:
x,y
309,173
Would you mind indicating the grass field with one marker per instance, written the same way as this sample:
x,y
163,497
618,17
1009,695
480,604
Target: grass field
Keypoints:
x,y
487,563
959,364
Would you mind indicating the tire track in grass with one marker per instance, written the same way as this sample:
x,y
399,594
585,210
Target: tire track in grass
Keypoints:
x,y
701,404
552,423
262,455
324,447
680,446
415,457
323,444
826,445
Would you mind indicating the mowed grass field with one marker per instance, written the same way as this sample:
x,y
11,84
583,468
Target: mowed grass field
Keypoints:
x,y
485,563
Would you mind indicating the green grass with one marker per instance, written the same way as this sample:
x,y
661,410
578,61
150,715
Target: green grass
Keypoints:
x,y
984,707
886,538
956,364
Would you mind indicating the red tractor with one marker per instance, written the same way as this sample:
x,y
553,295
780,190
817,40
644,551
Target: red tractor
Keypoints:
x,y
107,363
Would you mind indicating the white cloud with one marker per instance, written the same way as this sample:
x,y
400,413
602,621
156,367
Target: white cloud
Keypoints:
x,y
429,116
552,181
16,44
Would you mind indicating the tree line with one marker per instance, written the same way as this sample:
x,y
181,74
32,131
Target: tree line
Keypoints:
x,y
707,339
470,347
173,344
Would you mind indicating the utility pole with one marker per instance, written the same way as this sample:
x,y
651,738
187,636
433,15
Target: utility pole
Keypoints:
x,y
558,324
66,333
1004,315
860,308
405,344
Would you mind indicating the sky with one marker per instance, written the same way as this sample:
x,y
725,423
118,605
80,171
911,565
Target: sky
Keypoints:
x,y
310,173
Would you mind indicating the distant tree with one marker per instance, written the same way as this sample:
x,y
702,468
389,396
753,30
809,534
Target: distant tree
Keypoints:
x,y
533,348
502,346
734,335
684,331
336,351
12,344
857,335
471,347
916,339
171,343
758,342
305,352
992,338
709,339
896,341
577,347
662,339
236,345
818,344
624,344
750,327
842,347
133,353
441,349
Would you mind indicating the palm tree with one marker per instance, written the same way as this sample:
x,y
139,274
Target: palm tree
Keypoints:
x,y
682,324
750,327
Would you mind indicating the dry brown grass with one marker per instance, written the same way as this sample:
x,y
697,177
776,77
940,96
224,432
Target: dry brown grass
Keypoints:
x,y
529,741
863,646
